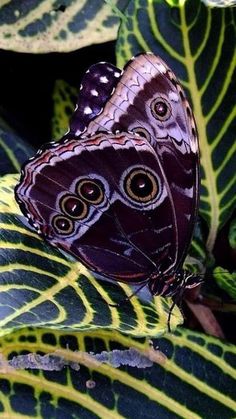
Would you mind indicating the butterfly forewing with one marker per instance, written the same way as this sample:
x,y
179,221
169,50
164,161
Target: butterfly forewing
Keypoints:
x,y
96,88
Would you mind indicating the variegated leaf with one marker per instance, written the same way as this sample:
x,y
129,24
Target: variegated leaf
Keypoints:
x,y
226,281
64,99
232,234
46,26
13,152
183,375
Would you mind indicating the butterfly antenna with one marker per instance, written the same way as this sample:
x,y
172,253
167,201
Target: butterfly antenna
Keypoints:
x,y
170,314
210,274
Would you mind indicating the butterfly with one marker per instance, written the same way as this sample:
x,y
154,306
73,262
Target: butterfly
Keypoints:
x,y
120,190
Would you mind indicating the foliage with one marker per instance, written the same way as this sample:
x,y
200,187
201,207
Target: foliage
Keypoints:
x,y
46,26
179,376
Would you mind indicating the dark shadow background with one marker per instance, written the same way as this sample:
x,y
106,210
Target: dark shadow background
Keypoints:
x,y
27,82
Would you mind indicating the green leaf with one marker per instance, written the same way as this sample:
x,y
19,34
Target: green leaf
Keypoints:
x,y
232,234
13,152
226,281
64,98
183,375
199,45
46,26
40,286
196,259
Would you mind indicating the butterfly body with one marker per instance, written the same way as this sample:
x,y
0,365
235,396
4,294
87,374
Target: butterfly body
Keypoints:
x,y
120,190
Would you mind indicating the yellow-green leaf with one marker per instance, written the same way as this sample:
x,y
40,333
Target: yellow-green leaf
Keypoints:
x,y
38,26
226,281
64,99
232,234
183,375
13,152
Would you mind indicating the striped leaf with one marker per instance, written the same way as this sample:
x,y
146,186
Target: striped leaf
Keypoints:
x,y
64,99
49,25
232,234
226,281
40,286
196,259
199,45
183,375
13,152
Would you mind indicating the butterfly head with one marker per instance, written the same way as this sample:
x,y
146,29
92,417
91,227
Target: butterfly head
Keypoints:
x,y
173,283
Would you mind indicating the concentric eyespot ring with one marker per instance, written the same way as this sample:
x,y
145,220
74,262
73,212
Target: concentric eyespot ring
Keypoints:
x,y
161,109
142,132
62,225
141,185
91,190
73,207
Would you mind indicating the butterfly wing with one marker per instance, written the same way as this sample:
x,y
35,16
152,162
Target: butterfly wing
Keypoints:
x,y
100,201
97,86
145,83
123,203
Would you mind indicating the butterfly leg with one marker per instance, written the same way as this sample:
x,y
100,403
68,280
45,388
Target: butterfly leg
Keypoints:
x,y
122,302
177,299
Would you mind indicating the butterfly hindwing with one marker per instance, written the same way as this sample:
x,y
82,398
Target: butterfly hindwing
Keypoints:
x,y
140,227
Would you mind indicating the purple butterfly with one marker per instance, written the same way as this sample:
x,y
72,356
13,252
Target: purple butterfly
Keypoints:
x,y
120,190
